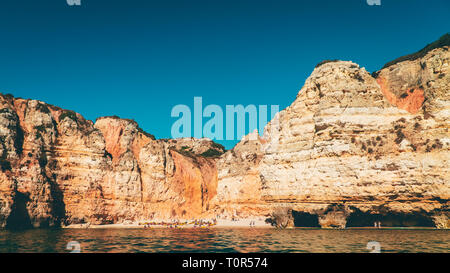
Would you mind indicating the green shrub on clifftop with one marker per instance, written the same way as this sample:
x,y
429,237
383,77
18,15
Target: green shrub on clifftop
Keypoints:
x,y
443,41
68,113
211,153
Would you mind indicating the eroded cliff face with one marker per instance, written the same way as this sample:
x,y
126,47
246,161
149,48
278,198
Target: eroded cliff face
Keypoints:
x,y
58,168
148,179
239,192
350,150
353,149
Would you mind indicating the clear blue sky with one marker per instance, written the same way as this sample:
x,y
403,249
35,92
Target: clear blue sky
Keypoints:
x,y
137,59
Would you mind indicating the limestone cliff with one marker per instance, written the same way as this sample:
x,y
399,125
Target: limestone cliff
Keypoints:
x,y
58,168
353,148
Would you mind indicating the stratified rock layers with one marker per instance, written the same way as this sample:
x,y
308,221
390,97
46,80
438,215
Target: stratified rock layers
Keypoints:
x,y
58,168
352,147
350,150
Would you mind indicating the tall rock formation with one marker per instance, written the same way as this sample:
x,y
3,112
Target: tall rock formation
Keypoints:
x,y
352,149
58,168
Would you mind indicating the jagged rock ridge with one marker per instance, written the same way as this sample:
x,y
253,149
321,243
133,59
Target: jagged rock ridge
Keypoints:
x,y
58,168
350,150
353,149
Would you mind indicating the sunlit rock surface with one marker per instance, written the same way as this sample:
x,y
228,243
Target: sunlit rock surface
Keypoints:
x,y
352,147
351,150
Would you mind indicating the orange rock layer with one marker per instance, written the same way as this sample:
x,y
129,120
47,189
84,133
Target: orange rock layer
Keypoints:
x,y
410,100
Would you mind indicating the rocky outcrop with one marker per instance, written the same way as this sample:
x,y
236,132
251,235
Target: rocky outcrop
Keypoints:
x,y
351,150
58,168
239,192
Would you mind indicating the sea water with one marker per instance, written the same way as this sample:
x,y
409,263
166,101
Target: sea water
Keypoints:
x,y
224,240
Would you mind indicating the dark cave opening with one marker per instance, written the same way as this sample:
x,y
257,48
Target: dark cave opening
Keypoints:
x,y
19,217
59,207
305,219
389,219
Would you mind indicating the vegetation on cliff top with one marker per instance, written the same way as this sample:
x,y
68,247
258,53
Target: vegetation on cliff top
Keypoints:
x,y
219,147
325,62
211,153
443,41
68,114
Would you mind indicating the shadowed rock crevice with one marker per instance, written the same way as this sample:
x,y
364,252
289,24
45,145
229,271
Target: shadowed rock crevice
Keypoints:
x,y
389,219
19,217
305,219
18,143
58,206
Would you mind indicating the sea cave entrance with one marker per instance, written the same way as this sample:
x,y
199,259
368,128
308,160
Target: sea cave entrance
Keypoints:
x,y
389,219
305,219
19,217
